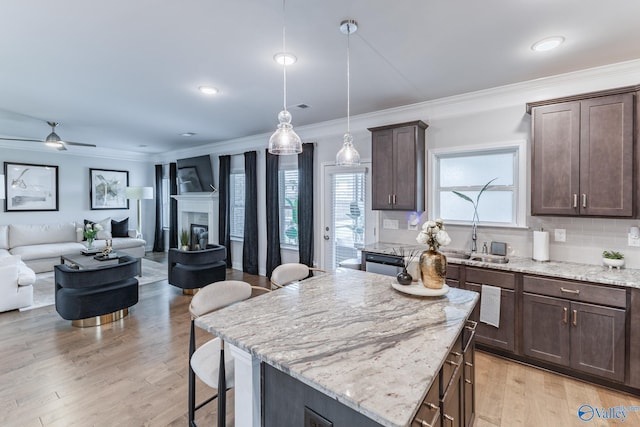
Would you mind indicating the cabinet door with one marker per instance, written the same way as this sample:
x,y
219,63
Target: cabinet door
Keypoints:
x,y
546,328
555,165
405,172
504,336
606,156
469,380
598,340
382,177
452,413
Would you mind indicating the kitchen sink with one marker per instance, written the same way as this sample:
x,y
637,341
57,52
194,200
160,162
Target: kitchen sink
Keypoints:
x,y
456,254
496,259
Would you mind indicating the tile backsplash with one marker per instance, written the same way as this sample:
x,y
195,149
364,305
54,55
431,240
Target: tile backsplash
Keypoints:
x,y
586,238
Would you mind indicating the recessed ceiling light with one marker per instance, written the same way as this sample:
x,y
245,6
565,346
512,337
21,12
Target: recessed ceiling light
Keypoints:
x,y
208,90
187,134
547,44
285,58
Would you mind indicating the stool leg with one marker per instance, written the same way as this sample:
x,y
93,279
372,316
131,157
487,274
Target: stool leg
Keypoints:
x,y
222,390
192,378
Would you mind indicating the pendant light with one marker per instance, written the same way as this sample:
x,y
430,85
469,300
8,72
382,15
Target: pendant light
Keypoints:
x,y
284,140
348,155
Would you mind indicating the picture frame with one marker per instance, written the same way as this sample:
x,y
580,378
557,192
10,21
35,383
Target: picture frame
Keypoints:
x,y
107,189
197,230
30,187
188,180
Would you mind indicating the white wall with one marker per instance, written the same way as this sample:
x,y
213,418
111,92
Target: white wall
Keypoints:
x,y
73,188
489,116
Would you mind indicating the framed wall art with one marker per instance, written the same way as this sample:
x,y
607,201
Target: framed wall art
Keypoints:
x,y
107,189
30,187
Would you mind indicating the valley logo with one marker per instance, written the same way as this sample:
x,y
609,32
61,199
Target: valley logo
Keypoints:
x,y
588,412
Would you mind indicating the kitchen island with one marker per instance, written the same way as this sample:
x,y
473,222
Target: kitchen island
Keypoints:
x,y
348,335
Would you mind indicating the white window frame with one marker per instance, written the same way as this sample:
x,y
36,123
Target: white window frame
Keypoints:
x,y
166,203
520,178
282,206
232,236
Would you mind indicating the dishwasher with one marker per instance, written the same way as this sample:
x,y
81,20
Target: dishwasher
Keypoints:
x,y
389,265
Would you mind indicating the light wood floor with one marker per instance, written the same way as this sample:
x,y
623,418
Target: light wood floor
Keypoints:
x,y
134,373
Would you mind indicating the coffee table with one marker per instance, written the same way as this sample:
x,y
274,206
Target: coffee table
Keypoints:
x,y
88,261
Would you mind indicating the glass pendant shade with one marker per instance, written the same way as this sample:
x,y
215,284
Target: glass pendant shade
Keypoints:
x,y
285,140
348,155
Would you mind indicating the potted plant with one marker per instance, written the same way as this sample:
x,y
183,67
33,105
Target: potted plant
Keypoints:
x,y
184,240
613,259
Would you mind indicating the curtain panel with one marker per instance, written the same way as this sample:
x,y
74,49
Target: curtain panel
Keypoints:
x,y
158,239
273,213
250,245
224,222
305,204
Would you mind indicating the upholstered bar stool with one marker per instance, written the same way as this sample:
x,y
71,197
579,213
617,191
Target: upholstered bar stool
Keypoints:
x,y
191,270
210,362
284,274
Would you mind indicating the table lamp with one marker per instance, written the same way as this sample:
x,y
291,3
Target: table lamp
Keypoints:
x,y
139,193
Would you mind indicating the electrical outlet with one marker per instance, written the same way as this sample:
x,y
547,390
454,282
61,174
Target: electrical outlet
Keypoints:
x,y
390,224
633,241
560,235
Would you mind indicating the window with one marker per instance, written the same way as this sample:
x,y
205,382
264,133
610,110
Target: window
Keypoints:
x,y
236,209
288,202
166,202
467,171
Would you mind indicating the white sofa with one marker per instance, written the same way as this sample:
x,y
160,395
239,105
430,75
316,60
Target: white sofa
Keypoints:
x,y
41,245
16,282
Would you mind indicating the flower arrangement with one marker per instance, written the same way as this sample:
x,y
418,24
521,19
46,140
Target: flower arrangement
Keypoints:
x,y
433,234
90,231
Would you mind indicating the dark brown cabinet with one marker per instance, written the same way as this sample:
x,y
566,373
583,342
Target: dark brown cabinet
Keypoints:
x,y
504,336
583,336
398,167
582,157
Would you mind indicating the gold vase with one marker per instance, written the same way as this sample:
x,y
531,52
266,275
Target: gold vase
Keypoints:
x,y
433,268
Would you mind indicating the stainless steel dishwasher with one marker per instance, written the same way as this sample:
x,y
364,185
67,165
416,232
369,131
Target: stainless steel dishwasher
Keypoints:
x,y
389,265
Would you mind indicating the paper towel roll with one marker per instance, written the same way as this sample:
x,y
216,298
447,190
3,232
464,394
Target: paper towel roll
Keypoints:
x,y
541,245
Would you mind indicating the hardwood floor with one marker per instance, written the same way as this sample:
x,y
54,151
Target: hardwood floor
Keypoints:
x,y
134,373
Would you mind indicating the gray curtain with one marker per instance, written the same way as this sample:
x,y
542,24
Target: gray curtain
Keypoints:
x,y
250,245
305,204
224,222
173,206
158,239
273,214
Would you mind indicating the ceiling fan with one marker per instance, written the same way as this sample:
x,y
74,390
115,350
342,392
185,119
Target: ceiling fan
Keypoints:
x,y
52,140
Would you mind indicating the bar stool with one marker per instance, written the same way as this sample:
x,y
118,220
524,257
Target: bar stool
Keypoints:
x,y
210,362
284,274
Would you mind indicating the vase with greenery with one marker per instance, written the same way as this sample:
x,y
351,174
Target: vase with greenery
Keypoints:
x,y
476,218
184,240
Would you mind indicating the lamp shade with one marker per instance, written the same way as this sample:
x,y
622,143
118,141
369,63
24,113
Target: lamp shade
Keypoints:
x,y
139,193
2,196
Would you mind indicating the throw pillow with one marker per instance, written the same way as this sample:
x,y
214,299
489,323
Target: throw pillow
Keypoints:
x,y
120,228
103,234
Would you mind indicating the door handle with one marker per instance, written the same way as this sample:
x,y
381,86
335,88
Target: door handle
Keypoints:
x,y
326,237
395,200
575,200
389,199
575,317
570,291
584,200
565,315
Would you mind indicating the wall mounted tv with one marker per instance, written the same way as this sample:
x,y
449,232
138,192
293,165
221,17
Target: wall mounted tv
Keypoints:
x,y
194,175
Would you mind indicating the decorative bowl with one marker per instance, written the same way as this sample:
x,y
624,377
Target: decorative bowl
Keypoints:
x,y
617,263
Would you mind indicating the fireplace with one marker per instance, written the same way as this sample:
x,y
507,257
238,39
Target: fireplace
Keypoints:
x,y
198,209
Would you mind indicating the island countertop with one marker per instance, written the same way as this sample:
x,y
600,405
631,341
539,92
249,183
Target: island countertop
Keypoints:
x,y
351,336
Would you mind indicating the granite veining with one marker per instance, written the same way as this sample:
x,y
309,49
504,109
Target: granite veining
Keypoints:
x,y
351,336
626,277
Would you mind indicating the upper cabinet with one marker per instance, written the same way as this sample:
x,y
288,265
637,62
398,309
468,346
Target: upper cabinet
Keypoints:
x,y
398,168
583,155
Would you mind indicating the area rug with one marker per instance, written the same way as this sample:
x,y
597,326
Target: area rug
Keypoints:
x,y
43,289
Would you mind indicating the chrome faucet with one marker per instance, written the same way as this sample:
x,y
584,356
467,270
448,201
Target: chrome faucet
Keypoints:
x,y
474,237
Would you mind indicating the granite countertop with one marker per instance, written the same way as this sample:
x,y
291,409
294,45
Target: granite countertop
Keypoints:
x,y
350,335
626,277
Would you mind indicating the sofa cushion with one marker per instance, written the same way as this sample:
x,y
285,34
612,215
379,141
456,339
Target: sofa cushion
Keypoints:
x,y
120,228
47,250
4,237
36,234
105,233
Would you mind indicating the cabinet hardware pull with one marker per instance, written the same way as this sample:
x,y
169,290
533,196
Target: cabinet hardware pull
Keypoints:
x,y
575,317
584,200
395,199
451,362
457,354
565,315
430,406
423,423
468,381
570,291
449,418
575,200
471,325
469,364
389,199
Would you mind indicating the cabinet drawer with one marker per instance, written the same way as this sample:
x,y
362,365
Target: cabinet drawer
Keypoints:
x,y
429,411
453,272
491,277
576,291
